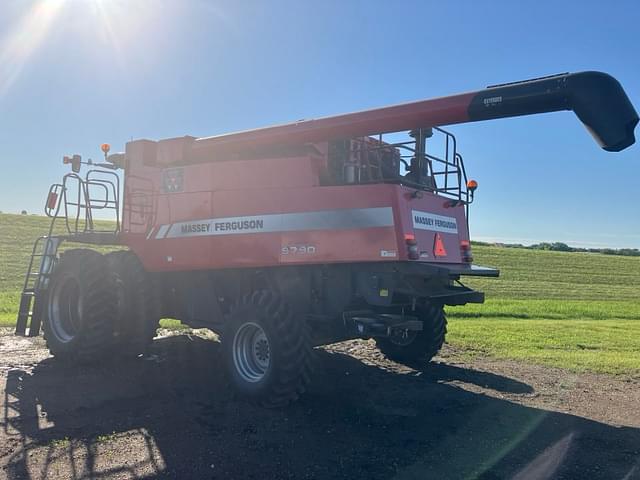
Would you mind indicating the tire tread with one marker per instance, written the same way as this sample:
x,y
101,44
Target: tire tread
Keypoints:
x,y
295,354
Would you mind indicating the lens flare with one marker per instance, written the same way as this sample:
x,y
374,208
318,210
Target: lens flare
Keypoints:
x,y
118,38
19,44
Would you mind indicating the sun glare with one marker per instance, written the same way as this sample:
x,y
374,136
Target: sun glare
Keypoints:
x,y
21,41
111,29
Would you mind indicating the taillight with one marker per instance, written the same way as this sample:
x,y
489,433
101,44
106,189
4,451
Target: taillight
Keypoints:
x,y
412,246
465,251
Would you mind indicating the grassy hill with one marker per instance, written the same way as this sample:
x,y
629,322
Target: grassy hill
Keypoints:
x,y
576,310
17,235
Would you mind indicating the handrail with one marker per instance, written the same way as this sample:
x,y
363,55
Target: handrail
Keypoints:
x,y
77,210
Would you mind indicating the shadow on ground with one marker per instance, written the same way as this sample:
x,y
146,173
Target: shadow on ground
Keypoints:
x,y
172,416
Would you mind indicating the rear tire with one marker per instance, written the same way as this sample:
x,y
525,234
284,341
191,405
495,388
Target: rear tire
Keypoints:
x,y
267,351
80,308
420,346
138,312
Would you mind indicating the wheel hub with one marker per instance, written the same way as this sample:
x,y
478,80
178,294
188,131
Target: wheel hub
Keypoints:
x,y
251,352
262,350
65,309
402,337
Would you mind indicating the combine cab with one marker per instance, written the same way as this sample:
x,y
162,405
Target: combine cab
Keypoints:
x,y
287,237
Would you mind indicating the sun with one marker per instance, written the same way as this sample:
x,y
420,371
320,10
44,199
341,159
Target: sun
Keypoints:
x,y
20,42
112,28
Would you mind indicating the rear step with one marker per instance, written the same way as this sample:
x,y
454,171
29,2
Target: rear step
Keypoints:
x,y
36,283
382,325
29,315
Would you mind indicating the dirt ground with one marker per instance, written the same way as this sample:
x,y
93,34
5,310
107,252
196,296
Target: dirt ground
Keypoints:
x,y
171,415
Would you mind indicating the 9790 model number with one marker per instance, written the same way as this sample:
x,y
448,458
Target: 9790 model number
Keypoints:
x,y
298,250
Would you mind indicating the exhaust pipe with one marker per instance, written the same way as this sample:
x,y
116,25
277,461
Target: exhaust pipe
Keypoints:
x,y
597,99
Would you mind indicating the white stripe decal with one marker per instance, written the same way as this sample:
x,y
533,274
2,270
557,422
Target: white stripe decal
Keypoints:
x,y
282,222
162,231
150,233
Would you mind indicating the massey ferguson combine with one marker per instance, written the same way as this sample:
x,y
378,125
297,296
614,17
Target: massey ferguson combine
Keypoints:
x,y
287,237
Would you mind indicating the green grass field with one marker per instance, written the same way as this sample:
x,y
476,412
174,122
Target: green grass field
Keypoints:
x,y
579,311
574,310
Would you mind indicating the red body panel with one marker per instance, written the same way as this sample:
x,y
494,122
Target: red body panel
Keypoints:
x,y
433,206
206,222
204,203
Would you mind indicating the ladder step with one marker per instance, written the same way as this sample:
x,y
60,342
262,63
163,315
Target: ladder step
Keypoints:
x,y
30,312
36,318
29,315
24,312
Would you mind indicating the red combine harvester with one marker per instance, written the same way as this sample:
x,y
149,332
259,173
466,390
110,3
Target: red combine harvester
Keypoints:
x,y
283,238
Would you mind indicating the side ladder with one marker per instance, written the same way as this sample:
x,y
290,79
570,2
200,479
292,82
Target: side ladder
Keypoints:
x,y
33,297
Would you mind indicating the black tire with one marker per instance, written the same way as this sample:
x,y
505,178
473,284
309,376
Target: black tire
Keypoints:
x,y
80,307
288,347
138,312
419,346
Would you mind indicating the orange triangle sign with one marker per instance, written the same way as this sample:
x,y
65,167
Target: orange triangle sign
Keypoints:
x,y
438,248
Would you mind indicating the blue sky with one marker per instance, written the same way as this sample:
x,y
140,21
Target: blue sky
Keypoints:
x,y
77,73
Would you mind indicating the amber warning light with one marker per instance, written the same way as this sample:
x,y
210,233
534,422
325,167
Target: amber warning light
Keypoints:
x,y
105,147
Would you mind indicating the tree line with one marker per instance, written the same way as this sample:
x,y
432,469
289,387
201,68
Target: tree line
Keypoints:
x,y
563,247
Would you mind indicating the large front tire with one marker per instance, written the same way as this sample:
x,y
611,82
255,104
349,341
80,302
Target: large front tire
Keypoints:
x,y
138,312
267,351
421,346
80,308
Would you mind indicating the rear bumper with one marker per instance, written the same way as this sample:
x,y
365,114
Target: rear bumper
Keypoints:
x,y
457,295
459,269
451,270
452,294
387,284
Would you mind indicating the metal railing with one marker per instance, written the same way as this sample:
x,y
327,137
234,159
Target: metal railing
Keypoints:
x,y
380,159
76,200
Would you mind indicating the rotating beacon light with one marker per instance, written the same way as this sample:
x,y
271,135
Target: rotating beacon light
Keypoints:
x,y
472,186
105,147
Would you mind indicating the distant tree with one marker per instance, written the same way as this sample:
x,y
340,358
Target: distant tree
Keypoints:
x,y
23,212
478,242
561,247
541,246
